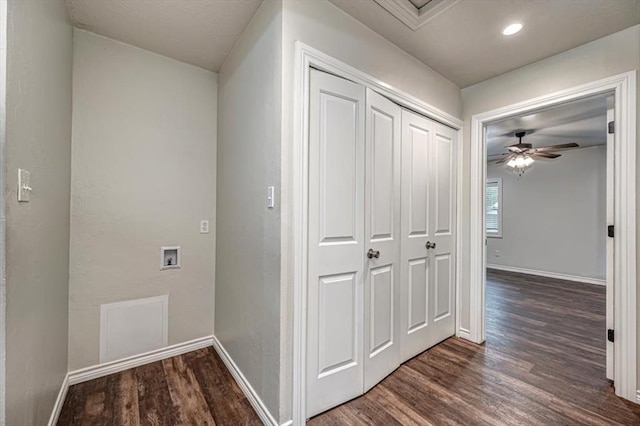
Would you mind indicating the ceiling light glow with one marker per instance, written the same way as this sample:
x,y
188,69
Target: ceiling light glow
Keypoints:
x,y
512,29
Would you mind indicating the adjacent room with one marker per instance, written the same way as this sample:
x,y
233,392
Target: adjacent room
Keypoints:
x,y
549,199
334,212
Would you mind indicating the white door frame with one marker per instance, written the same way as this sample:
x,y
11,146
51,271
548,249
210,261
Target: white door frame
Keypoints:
x,y
624,88
305,59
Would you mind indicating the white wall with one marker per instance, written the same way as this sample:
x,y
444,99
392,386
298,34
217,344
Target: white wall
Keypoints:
x,y
611,55
247,321
554,216
37,137
327,28
143,176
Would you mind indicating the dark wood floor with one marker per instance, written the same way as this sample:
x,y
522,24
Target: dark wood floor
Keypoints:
x,y
542,364
191,389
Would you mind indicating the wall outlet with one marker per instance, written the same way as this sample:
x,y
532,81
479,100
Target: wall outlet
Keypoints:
x,y
204,226
497,253
170,257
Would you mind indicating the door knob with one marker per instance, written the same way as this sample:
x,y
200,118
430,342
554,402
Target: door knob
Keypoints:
x,y
430,245
373,254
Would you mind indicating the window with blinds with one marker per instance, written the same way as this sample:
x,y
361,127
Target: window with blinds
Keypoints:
x,y
493,208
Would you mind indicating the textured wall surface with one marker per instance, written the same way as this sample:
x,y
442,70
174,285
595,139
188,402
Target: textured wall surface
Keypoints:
x,y
38,139
143,176
247,319
554,217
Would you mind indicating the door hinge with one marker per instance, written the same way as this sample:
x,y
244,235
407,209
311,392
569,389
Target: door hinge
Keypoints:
x,y
610,335
611,127
611,231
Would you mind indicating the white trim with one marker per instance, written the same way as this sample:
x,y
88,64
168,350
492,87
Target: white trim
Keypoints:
x,y
249,392
624,87
3,206
412,16
104,320
555,275
57,407
101,370
638,396
463,333
306,58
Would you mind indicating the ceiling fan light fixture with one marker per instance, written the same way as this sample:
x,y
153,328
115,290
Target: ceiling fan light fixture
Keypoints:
x,y
528,161
512,28
520,163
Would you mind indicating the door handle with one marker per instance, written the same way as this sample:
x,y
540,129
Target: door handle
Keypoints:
x,y
373,254
430,245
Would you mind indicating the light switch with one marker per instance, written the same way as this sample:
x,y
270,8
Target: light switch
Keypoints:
x,y
24,185
271,198
204,226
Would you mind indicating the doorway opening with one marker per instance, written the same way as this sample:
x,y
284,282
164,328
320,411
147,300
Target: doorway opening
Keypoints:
x,y
548,202
618,94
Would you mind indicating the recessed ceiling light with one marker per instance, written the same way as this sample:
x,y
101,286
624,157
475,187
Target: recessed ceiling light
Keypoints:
x,y
512,29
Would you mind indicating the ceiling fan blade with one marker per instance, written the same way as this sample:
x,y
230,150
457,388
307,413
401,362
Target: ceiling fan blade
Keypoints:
x,y
504,159
557,147
545,154
515,149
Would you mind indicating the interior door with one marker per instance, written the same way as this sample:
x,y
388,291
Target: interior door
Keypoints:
x,y
382,233
427,225
336,242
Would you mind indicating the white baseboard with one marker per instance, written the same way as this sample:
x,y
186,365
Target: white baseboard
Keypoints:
x,y
464,333
57,407
101,370
246,387
556,275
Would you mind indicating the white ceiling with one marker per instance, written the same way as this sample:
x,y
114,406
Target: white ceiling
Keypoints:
x,y
198,32
465,43
583,122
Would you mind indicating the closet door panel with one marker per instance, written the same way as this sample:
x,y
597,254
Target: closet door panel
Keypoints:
x,y
336,242
382,228
428,206
443,183
416,215
443,235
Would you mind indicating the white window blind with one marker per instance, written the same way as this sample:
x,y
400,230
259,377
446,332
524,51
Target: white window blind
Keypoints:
x,y
493,208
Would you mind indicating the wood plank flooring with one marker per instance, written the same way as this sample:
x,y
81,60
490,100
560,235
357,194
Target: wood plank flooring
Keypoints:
x,y
543,364
190,389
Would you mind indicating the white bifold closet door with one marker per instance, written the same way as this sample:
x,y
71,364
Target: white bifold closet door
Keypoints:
x,y
353,326
335,292
381,184
382,236
428,241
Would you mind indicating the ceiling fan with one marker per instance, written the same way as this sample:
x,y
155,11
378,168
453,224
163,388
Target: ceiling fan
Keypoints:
x,y
521,155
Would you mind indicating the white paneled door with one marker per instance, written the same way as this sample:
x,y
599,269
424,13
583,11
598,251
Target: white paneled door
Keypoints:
x,y
428,217
382,236
336,242
381,279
